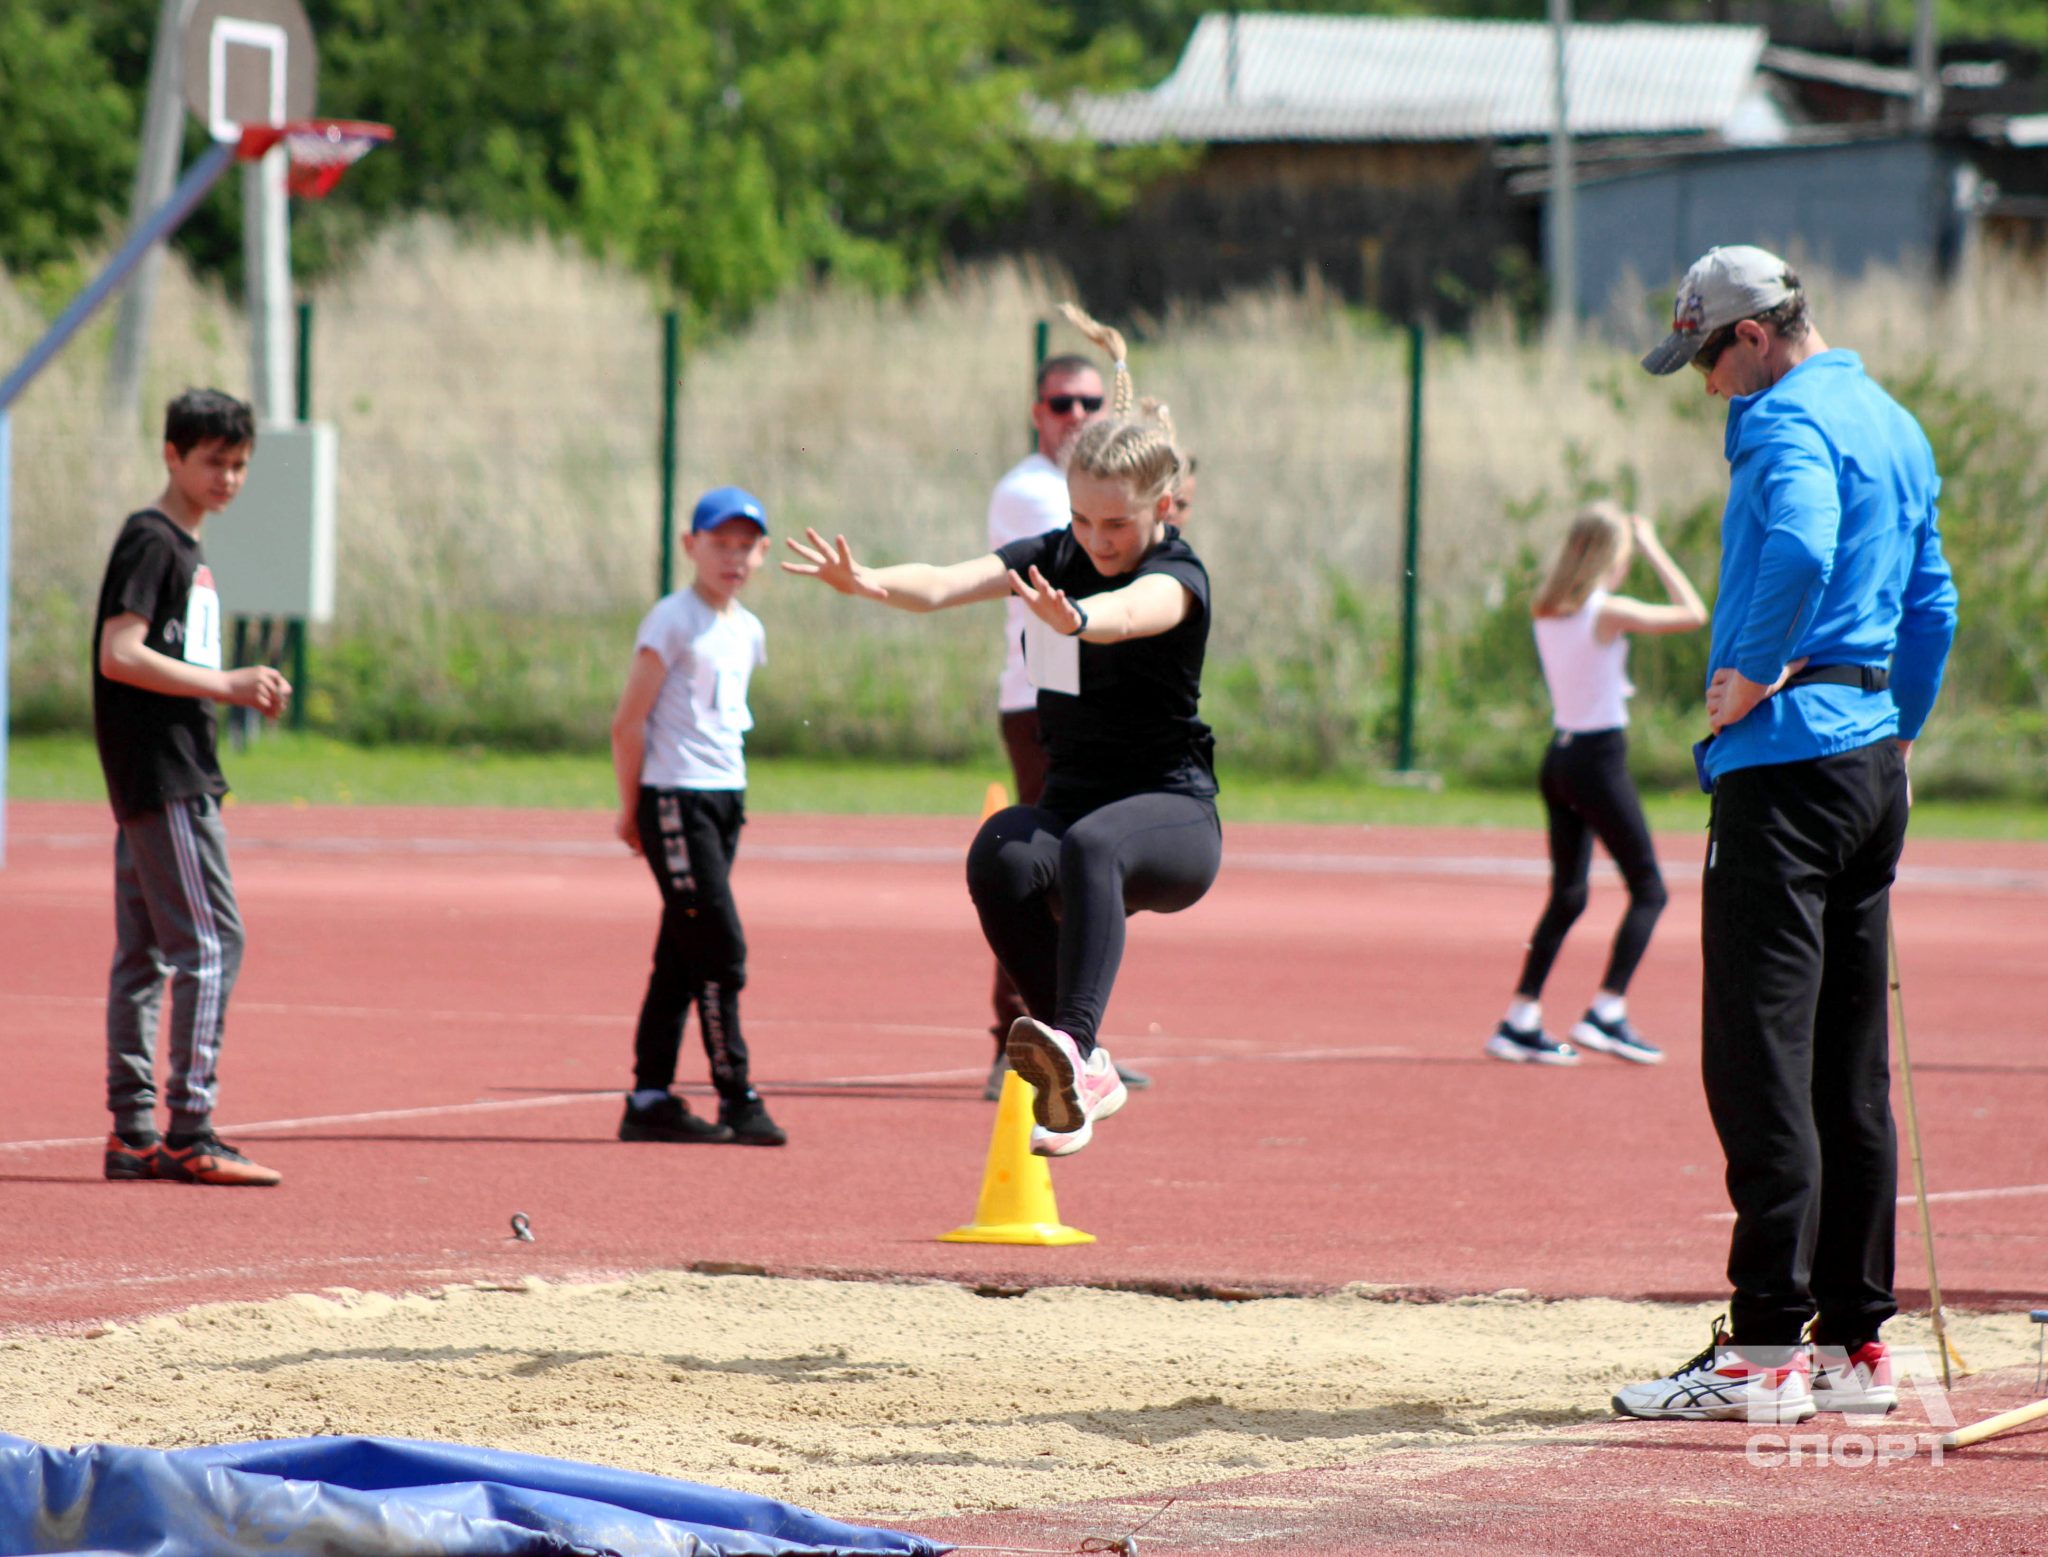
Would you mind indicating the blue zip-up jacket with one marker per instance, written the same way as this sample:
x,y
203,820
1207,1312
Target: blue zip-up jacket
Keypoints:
x,y
1830,552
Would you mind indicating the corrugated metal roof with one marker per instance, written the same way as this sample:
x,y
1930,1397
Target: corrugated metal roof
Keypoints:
x,y
1273,77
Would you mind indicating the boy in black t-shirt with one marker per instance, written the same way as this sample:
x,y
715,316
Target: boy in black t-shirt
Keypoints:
x,y
156,675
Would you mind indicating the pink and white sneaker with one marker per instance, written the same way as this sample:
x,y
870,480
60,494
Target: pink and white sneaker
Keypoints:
x,y
1046,1144
1069,1093
1858,1381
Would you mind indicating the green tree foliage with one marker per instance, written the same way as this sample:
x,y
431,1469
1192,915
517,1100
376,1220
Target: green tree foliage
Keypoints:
x,y
67,134
731,145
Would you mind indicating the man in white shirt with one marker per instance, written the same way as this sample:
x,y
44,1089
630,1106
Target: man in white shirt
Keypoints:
x,y
1030,500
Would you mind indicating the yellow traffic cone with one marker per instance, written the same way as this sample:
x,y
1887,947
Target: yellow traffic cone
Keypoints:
x,y
1016,1204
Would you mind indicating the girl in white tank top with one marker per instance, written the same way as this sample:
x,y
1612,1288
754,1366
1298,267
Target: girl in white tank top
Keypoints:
x,y
1582,639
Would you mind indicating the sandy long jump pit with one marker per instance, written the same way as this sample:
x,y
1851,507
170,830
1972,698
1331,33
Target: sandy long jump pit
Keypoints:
x,y
876,1401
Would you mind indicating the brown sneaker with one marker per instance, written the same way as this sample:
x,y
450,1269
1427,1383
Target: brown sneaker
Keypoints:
x,y
207,1159
128,1160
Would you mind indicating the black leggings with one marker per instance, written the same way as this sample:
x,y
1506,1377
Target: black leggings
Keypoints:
x,y
1052,888
1588,793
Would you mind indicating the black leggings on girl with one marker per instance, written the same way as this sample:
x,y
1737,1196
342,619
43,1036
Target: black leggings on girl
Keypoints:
x,y
1052,888
1588,793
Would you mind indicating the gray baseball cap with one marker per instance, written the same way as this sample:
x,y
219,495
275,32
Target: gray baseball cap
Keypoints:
x,y
1724,285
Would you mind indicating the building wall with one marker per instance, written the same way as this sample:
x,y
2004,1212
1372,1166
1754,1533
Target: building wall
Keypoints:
x,y
1843,207
1408,229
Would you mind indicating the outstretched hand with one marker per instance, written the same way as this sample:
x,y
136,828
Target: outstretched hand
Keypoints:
x,y
832,563
1051,606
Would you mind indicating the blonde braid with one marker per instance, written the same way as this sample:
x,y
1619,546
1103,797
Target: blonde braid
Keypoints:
x,y
1112,342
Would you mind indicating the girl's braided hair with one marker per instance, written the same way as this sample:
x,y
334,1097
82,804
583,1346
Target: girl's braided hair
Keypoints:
x,y
1135,450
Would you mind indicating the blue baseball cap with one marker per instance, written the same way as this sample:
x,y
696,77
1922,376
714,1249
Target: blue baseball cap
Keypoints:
x,y
723,503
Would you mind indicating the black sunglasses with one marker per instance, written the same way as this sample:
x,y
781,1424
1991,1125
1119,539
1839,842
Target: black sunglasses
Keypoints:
x,y
1060,405
1712,347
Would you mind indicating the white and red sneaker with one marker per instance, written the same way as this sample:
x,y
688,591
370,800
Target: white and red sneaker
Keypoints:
x,y
1069,1093
1726,1384
1857,1381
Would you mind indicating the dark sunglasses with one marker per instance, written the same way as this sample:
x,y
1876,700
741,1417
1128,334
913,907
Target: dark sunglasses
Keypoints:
x,y
1712,347
1060,405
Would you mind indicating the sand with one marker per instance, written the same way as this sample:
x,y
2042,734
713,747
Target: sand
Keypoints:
x,y
867,1400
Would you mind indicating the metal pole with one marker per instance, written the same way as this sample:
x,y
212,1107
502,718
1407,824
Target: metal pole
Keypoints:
x,y
671,387
266,252
6,594
1563,248
295,627
1926,67
188,194
1411,551
156,168
303,400
1041,342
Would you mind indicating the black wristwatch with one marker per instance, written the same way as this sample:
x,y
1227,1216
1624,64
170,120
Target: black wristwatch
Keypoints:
x,y
1081,611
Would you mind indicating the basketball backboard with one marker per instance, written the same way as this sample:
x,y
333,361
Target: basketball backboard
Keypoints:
x,y
248,62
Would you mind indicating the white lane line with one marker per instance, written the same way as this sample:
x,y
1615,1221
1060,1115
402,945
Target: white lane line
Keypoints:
x,y
1957,878
2002,1192
610,1095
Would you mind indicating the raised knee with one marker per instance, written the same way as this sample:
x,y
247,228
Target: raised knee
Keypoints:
x,y
1649,891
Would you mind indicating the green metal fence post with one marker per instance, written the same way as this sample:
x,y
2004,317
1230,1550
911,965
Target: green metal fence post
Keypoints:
x,y
1041,335
671,387
295,629
1411,551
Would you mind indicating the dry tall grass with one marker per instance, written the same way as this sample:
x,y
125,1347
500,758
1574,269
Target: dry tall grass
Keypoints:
x,y
499,402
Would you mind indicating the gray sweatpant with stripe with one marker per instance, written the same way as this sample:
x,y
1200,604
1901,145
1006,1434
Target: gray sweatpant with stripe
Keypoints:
x,y
175,915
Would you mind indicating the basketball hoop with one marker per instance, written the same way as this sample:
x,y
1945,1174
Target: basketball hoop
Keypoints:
x,y
321,150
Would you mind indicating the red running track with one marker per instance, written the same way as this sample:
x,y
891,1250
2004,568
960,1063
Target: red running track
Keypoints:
x,y
434,1022
435,1018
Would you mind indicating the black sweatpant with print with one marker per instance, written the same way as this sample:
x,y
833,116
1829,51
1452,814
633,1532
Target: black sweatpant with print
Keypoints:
x,y
689,838
1797,900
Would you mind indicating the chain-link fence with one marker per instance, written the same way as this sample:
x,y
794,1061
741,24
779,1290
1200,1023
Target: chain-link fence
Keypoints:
x,y
500,407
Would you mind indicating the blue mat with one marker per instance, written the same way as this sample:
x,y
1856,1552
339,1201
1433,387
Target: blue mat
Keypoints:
x,y
385,1496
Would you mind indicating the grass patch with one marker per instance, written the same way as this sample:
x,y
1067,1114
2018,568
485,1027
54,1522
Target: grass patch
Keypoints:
x,y
286,769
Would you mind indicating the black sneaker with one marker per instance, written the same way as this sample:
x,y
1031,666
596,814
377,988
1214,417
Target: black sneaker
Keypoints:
x,y
668,1120
1616,1038
207,1159
746,1121
130,1157
1537,1048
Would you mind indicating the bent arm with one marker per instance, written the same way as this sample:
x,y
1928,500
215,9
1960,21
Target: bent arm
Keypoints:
x,y
1625,614
125,656
629,737
1150,606
1802,520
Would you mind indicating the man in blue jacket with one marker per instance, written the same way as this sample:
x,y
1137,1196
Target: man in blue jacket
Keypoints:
x,y
1830,633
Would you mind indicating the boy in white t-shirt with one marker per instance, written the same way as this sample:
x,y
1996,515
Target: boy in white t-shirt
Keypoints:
x,y
679,754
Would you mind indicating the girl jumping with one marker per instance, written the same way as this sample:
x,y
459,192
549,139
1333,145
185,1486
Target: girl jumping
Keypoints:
x,y
1119,621
1582,638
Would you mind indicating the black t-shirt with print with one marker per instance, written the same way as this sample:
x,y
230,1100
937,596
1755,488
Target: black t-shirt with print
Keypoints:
x,y
155,748
1133,728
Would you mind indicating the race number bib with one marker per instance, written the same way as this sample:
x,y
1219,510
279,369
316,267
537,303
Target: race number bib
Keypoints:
x,y
202,621
1052,659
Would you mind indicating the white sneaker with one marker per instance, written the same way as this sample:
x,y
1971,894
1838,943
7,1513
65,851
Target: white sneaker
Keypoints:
x,y
1858,1381
1723,1385
1070,1093
1046,1144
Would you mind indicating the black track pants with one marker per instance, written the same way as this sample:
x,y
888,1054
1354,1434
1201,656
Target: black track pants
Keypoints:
x,y
1053,889
689,838
1588,794
1797,896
